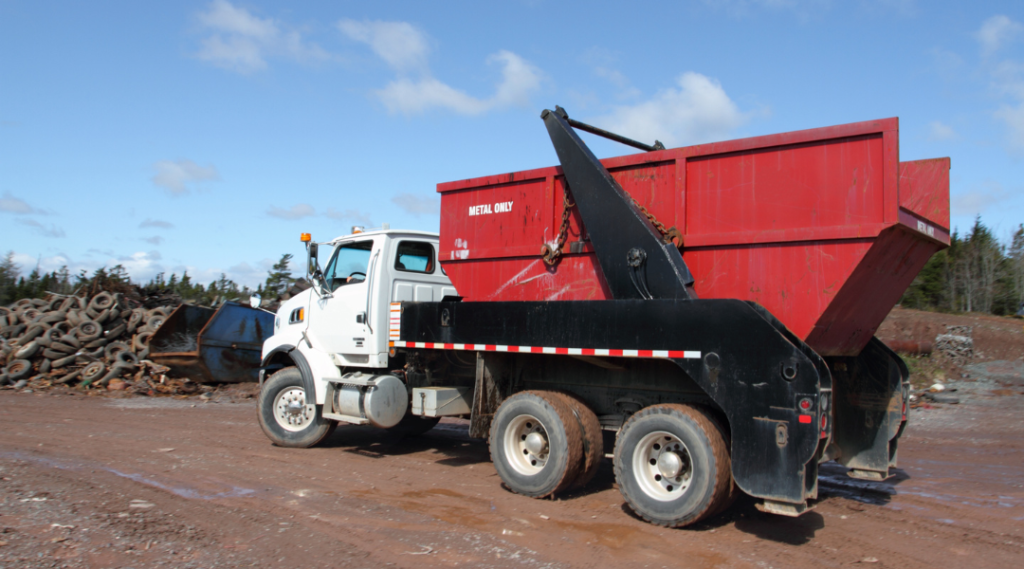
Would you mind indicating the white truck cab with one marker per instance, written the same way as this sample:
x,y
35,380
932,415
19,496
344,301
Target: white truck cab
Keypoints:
x,y
342,321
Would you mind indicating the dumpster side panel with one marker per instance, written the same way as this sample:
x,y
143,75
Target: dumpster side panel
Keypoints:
x,y
798,295
510,219
180,330
219,346
866,297
921,189
829,184
230,345
529,278
785,220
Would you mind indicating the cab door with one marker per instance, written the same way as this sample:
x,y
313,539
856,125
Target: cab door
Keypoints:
x,y
339,321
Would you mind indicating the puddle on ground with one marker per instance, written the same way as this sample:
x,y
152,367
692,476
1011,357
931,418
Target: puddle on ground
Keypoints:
x,y
184,491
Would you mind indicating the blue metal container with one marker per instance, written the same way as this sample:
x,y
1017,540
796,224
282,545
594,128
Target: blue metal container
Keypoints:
x,y
209,345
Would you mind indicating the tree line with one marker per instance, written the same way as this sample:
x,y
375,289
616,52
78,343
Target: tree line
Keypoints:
x,y
976,273
36,284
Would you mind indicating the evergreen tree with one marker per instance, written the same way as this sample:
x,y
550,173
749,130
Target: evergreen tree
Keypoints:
x,y
9,273
279,278
1016,269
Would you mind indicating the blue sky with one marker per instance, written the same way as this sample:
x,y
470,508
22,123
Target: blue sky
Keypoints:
x,y
207,135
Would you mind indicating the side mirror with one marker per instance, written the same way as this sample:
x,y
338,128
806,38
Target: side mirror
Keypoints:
x,y
312,266
255,300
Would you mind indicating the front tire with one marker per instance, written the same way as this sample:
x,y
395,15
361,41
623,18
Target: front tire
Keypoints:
x,y
285,417
672,465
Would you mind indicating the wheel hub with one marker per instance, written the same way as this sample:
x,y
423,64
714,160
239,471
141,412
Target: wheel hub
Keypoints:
x,y
525,444
291,411
670,464
535,443
662,466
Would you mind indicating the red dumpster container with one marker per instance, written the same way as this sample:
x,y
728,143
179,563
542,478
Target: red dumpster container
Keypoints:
x,y
825,228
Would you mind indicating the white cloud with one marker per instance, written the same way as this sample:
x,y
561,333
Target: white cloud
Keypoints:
x,y
978,199
18,206
156,223
350,215
405,48
177,177
996,32
242,42
418,205
1008,81
247,275
297,211
615,77
518,80
51,231
1013,116
414,97
141,266
409,97
46,264
698,111
400,44
938,131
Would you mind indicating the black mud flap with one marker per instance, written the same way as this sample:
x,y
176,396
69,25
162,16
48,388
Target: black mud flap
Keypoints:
x,y
871,392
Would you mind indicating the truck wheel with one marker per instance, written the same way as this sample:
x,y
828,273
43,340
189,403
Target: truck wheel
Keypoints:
x,y
414,425
672,465
592,438
536,445
284,416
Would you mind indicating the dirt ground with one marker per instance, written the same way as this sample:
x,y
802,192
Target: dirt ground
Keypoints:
x,y
163,482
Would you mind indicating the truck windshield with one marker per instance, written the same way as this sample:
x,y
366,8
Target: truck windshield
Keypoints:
x,y
348,264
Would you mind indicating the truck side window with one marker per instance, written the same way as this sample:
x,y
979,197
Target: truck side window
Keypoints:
x,y
348,264
415,257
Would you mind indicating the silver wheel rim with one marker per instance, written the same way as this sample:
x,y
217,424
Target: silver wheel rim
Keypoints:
x,y
662,466
526,445
291,411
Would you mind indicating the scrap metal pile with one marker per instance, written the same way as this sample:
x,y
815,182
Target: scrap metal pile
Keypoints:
x,y
97,342
957,344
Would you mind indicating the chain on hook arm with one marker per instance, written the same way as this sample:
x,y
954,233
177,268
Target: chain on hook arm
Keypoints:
x,y
551,254
547,252
670,235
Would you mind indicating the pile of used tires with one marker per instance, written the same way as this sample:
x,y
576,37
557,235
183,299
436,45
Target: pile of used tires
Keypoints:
x,y
73,340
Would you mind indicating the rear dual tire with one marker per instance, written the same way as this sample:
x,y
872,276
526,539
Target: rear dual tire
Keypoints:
x,y
672,465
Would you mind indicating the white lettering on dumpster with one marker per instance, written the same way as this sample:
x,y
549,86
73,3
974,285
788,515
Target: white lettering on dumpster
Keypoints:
x,y
925,228
484,209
